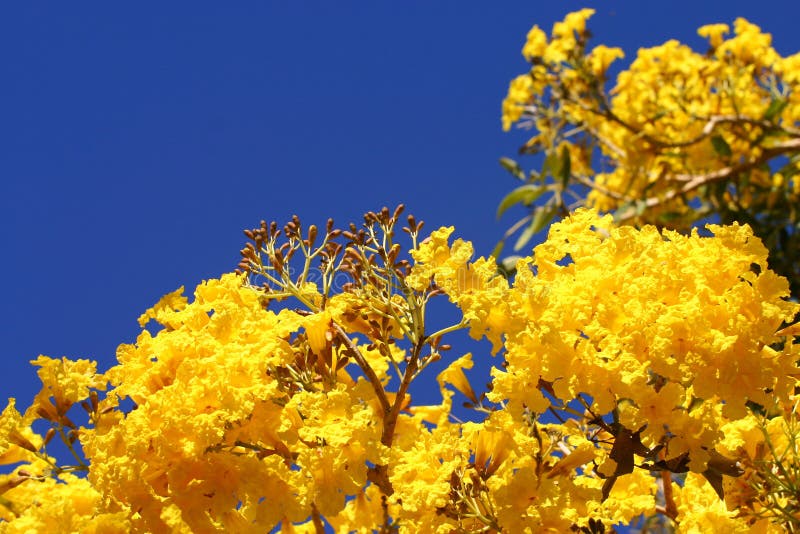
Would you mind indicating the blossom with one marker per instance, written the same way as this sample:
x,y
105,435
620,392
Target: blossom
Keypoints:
x,y
714,33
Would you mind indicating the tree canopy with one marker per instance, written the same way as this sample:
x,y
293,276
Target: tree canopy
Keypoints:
x,y
643,371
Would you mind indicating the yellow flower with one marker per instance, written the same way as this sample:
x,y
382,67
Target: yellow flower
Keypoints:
x,y
65,381
699,507
165,307
633,494
71,505
536,44
520,91
714,33
454,374
575,22
601,57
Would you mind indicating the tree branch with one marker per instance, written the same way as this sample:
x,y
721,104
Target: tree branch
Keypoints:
x,y
391,419
708,128
694,181
593,185
362,363
319,526
670,508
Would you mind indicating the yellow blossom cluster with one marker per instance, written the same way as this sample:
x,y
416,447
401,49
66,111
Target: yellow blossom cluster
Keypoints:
x,y
663,340
677,128
650,348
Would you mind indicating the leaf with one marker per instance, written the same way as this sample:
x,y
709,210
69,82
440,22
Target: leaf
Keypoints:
x,y
524,237
565,168
775,108
559,166
542,216
622,453
551,165
513,167
719,465
526,194
721,146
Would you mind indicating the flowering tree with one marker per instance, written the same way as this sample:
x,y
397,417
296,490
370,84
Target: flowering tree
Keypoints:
x,y
641,373
682,136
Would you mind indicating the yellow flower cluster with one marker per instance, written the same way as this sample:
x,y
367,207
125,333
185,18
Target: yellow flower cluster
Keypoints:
x,y
671,335
675,120
236,418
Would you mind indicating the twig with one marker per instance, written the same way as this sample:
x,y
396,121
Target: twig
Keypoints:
x,y
607,192
611,146
368,371
516,226
670,508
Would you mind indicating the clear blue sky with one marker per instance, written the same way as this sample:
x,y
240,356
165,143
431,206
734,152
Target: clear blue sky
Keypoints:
x,y
138,140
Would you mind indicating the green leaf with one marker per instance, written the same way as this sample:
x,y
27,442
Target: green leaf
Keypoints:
x,y
524,237
775,108
498,248
558,166
513,167
721,147
550,164
525,194
565,167
541,217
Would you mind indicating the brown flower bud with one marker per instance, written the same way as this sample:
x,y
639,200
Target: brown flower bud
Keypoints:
x,y
48,437
21,441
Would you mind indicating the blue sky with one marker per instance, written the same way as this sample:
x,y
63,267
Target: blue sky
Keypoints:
x,y
138,142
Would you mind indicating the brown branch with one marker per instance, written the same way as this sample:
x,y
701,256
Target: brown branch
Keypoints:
x,y
694,181
767,154
670,508
319,526
708,128
391,419
611,146
368,371
738,119
379,475
711,123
